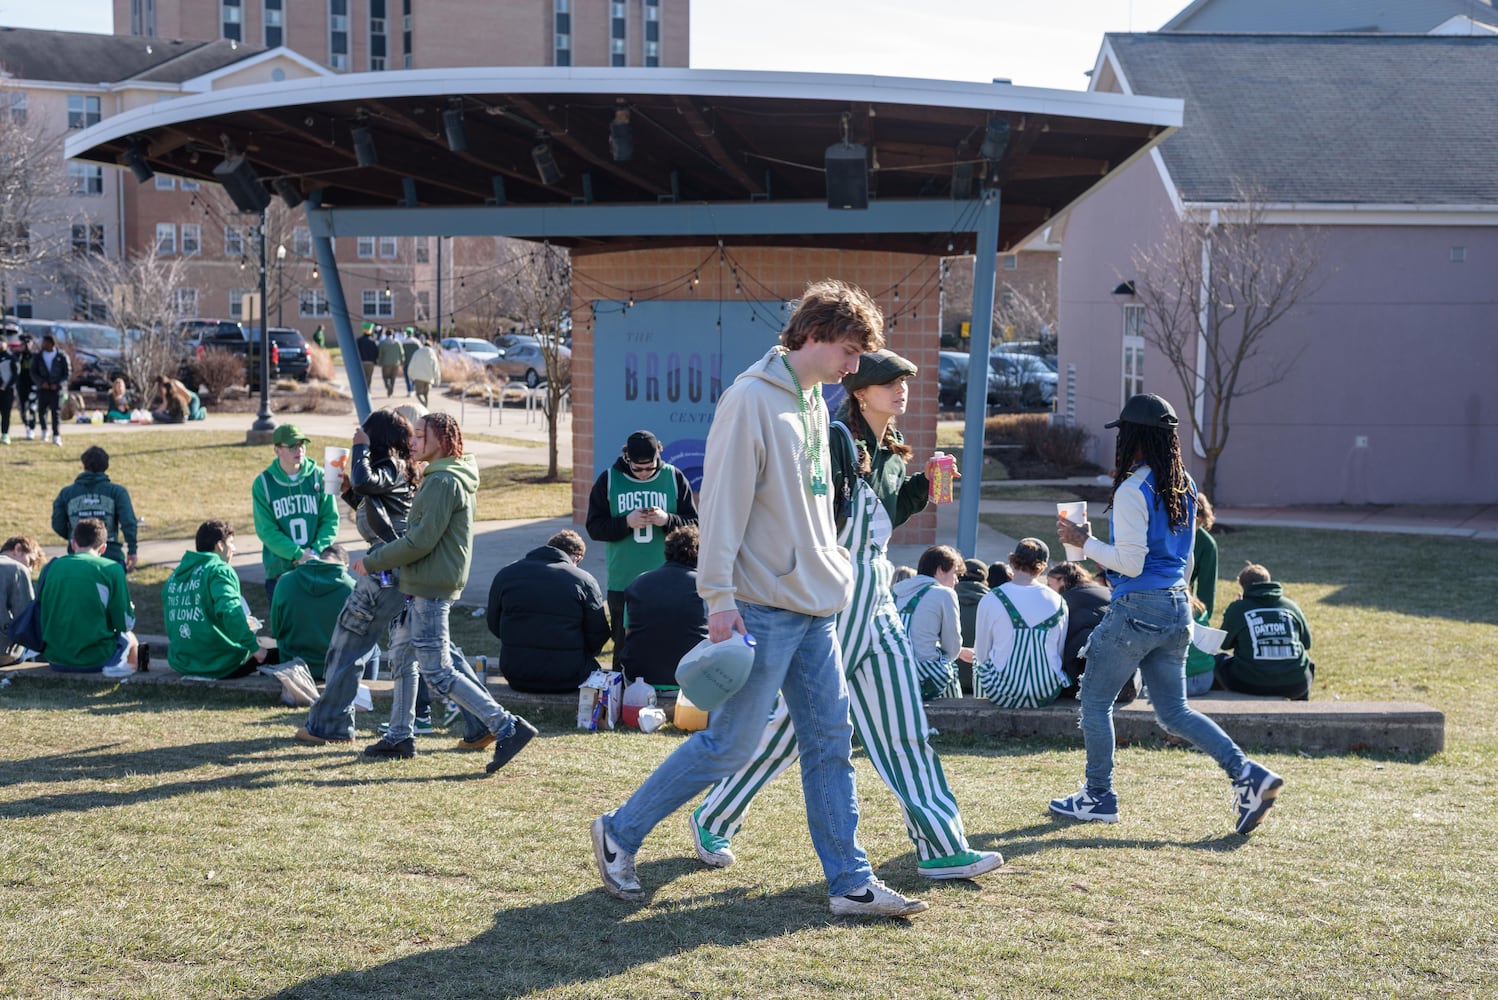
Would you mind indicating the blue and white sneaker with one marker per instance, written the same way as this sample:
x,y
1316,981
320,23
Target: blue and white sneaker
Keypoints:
x,y
1087,807
1255,791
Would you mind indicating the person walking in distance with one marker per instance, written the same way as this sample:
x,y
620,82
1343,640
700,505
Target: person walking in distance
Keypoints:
x,y
50,371
434,557
769,566
295,518
1151,522
882,667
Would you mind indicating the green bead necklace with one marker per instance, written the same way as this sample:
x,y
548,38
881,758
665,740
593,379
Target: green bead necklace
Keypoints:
x,y
814,442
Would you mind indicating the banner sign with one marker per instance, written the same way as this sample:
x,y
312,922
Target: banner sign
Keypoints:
x,y
661,366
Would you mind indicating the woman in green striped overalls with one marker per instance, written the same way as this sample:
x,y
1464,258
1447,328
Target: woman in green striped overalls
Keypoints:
x,y
868,455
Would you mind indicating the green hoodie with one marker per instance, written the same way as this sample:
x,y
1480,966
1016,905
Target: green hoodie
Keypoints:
x,y
292,515
85,606
435,552
93,495
207,632
305,609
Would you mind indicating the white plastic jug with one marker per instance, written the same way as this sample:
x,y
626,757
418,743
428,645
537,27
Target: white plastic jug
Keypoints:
x,y
637,696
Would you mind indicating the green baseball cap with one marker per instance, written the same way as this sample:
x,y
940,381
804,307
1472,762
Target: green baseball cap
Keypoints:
x,y
289,434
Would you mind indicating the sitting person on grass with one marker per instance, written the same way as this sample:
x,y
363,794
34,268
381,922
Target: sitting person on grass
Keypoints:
x,y
208,625
1269,638
548,616
664,617
1087,601
19,558
306,605
121,402
87,615
1021,631
927,605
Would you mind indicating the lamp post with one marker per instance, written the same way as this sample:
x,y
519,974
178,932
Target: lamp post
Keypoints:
x,y
263,424
280,286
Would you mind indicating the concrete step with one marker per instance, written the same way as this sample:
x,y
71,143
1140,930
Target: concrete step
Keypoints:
x,y
1262,723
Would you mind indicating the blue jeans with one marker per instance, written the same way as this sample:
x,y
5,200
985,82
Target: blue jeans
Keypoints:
x,y
1198,684
796,655
367,613
420,640
116,659
1147,629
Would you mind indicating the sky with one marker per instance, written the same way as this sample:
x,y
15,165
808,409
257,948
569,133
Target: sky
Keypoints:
x,y
1031,43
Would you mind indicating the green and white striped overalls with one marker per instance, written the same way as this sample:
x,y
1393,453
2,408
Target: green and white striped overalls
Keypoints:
x,y
885,698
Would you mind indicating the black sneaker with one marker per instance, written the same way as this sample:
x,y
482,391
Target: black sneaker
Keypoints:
x,y
388,749
512,744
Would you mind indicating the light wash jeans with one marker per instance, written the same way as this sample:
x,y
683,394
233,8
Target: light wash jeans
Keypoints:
x,y
420,642
796,655
1148,630
367,613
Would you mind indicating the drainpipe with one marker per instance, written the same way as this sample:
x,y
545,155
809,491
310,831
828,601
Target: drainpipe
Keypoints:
x,y
1203,314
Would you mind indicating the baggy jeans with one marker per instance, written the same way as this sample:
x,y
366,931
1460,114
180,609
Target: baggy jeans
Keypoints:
x,y
420,642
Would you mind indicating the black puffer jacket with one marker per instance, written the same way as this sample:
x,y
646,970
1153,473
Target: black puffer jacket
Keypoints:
x,y
666,618
380,494
548,614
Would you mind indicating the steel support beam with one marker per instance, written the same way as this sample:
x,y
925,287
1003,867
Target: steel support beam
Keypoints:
x,y
322,248
984,265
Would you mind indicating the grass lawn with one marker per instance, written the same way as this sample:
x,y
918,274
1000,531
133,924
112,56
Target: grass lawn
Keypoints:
x,y
179,478
174,842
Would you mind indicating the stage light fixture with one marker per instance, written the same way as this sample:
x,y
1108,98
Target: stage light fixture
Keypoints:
x,y
546,164
995,139
136,161
241,185
457,135
364,147
289,190
621,137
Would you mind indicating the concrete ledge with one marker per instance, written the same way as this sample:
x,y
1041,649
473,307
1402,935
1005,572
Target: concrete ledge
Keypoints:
x,y
1320,726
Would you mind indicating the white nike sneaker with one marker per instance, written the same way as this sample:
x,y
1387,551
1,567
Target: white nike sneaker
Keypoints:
x,y
875,899
615,865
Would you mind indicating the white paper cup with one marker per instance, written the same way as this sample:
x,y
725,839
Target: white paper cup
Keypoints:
x,y
331,474
1207,639
1076,513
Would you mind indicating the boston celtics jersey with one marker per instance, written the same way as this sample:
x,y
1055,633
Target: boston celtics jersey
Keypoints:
x,y
645,548
291,516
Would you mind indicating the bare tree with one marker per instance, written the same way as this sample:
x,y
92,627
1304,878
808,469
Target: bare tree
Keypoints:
x,y
1025,312
140,292
539,283
1214,290
35,219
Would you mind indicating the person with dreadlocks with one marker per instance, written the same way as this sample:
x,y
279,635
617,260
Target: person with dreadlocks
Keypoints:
x,y
434,557
1151,522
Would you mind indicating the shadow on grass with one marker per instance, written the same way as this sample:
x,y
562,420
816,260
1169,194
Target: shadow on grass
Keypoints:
x,y
570,944
1030,840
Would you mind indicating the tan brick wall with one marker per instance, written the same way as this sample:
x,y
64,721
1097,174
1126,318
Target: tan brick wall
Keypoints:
x,y
772,275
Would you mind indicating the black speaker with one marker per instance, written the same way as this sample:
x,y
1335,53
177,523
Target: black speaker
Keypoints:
x,y
289,190
241,184
847,176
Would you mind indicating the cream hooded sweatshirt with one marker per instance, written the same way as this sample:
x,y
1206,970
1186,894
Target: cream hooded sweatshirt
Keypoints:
x,y
765,539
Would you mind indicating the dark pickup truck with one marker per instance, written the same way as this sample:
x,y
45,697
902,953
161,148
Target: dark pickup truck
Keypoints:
x,y
202,335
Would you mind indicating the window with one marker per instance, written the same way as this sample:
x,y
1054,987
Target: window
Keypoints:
x,y
423,248
1133,351
188,185
618,33
192,239
423,307
165,183
86,179
15,239
18,107
233,241
236,301
377,303
83,111
389,247
378,39
275,24
143,17
1011,261
232,21
23,303
301,241
185,302
338,34
166,238
561,30
88,239
652,32
366,247
312,302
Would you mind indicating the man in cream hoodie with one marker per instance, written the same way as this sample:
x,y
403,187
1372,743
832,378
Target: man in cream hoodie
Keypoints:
x,y
769,566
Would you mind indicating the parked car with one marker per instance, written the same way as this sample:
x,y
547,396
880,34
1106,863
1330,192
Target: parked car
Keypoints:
x,y
291,352
1024,379
202,335
951,384
527,362
472,348
98,353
